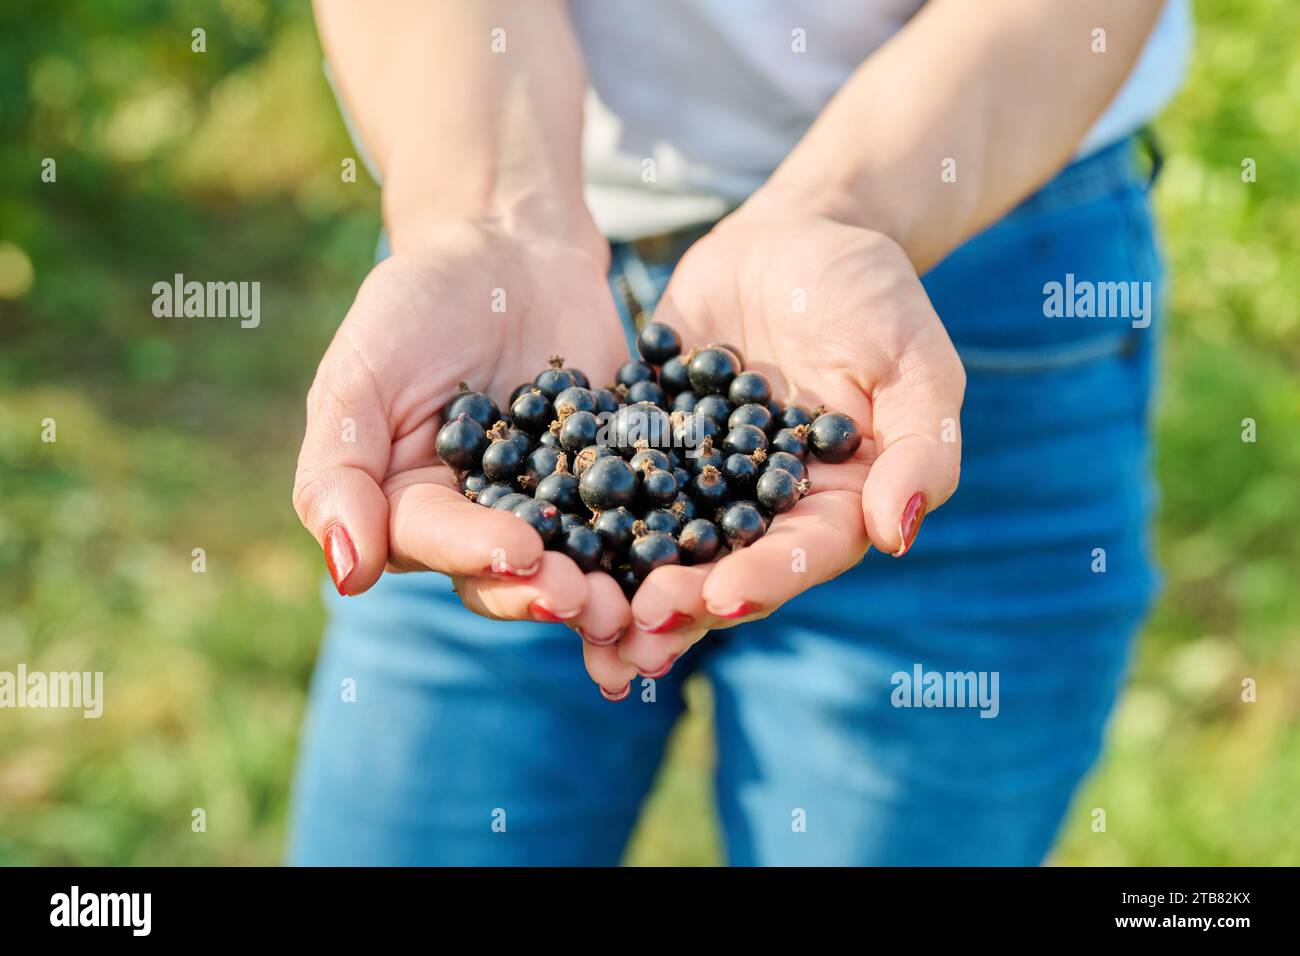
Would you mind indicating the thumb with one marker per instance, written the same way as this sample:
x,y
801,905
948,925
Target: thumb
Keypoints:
x,y
336,491
917,426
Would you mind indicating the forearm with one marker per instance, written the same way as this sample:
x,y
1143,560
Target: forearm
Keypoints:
x,y
1005,90
458,130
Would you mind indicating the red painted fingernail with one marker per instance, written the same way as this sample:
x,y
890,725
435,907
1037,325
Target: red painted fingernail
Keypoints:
x,y
599,641
673,622
740,610
663,670
616,697
540,612
910,523
340,556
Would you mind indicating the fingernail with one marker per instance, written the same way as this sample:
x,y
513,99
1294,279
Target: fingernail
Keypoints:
x,y
500,567
540,612
910,523
673,622
340,556
740,610
663,670
599,641
616,697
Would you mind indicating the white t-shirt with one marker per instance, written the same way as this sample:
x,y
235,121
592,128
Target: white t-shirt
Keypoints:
x,y
714,94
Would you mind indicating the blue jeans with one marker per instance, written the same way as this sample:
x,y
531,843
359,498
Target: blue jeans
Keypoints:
x,y
480,742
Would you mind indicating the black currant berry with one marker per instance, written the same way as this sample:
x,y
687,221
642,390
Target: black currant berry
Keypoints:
x,y
712,370
685,402
834,437
615,530
658,487
511,501
542,515
650,456
683,478
643,422
715,407
472,484
744,440
658,343
582,545
608,483
532,412
741,472
561,489
474,404
494,492
461,443
539,463
785,461
580,378
792,416
706,454
568,521
689,431
654,549
589,456
651,392
502,461
673,377
699,542
629,373
793,441
749,388
708,488
751,414
742,524
549,439
578,430
575,399
520,438
778,491
627,581
606,401
662,519
555,379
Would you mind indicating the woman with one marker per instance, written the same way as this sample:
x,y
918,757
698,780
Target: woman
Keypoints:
x,y
899,189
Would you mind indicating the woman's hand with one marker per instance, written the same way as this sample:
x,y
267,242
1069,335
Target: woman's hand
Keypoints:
x,y
466,303
834,315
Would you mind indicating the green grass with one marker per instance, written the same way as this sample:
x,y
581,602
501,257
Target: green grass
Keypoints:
x,y
179,436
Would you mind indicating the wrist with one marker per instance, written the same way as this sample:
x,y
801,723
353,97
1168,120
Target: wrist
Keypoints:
x,y
417,203
848,197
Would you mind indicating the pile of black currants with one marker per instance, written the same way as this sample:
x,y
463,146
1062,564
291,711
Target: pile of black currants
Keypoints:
x,y
682,459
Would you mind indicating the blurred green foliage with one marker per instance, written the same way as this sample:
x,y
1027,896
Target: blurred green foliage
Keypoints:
x,y
180,435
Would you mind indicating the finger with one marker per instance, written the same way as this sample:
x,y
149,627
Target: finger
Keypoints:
x,y
434,526
612,674
822,537
653,655
669,599
916,421
606,614
336,489
557,592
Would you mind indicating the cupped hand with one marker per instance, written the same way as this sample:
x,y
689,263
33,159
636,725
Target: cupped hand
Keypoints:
x,y
834,315
469,304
